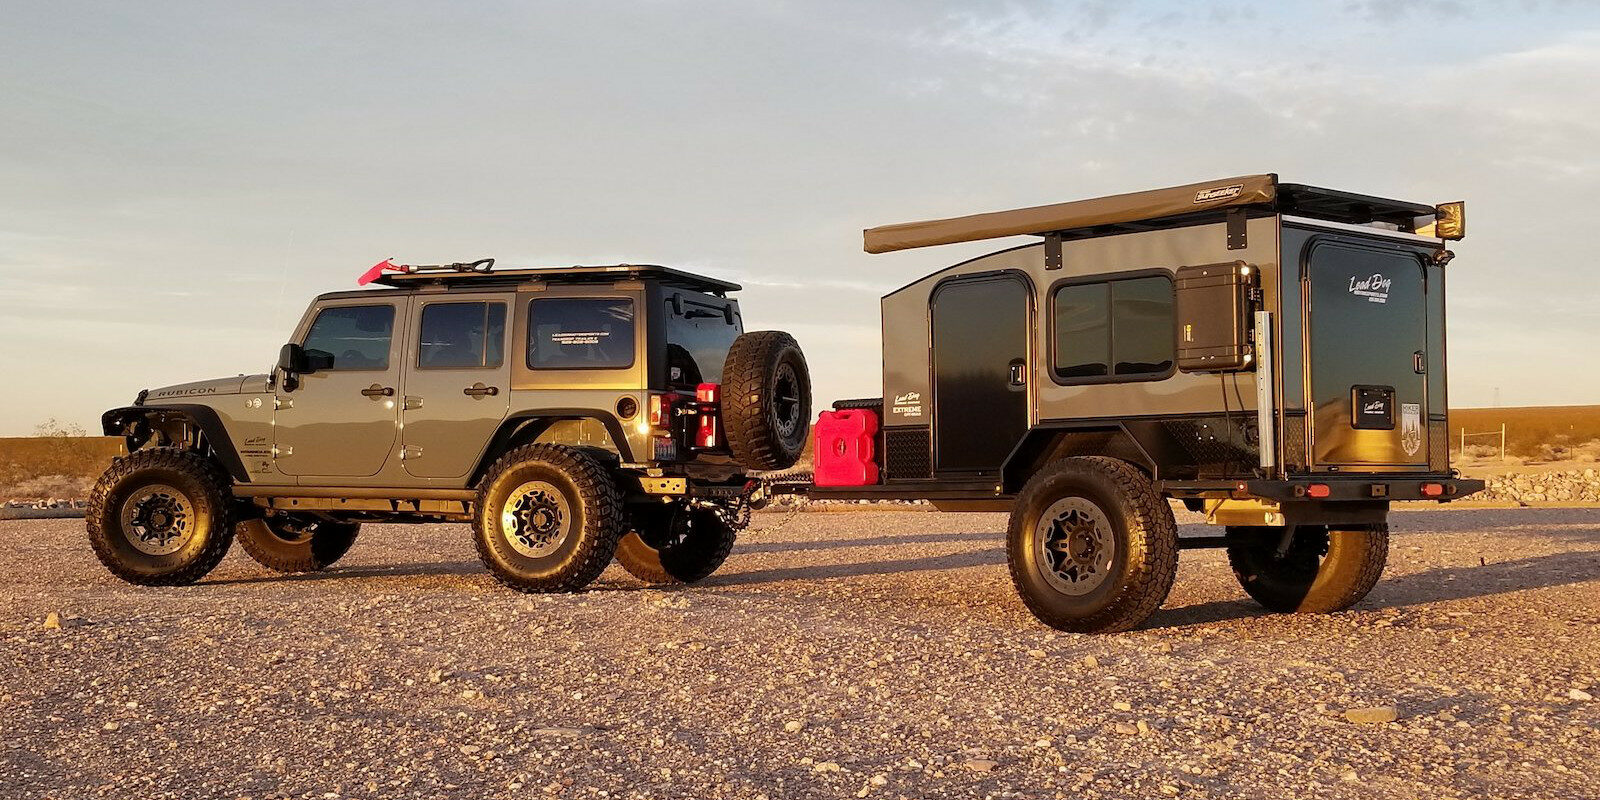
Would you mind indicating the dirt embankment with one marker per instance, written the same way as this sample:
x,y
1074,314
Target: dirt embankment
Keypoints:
x,y
47,468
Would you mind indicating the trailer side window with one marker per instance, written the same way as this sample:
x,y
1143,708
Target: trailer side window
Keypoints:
x,y
1112,330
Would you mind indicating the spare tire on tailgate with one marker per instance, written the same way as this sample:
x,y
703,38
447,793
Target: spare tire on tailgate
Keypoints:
x,y
766,400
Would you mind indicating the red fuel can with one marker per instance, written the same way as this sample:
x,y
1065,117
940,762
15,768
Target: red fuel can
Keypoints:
x,y
845,453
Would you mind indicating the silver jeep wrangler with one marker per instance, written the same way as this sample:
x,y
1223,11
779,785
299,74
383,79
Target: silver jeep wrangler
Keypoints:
x,y
571,415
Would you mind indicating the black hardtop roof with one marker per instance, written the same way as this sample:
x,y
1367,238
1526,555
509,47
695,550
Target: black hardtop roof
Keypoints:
x,y
667,276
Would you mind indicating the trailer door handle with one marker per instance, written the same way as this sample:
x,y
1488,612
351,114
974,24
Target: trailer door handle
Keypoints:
x,y
1419,362
1019,373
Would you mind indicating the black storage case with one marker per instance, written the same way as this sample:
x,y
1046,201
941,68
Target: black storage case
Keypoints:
x,y
1214,317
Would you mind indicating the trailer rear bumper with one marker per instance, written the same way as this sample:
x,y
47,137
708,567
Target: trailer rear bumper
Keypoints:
x,y
1342,488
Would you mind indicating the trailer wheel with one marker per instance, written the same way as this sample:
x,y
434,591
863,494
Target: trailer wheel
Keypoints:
x,y
292,544
674,543
766,400
1323,570
1092,546
160,517
548,519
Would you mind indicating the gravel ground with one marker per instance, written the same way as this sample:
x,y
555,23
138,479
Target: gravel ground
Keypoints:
x,y
871,654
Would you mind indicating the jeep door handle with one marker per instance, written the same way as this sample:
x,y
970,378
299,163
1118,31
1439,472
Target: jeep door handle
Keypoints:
x,y
378,391
479,390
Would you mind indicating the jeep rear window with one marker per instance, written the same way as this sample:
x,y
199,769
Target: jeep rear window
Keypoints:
x,y
698,339
355,337
461,335
580,333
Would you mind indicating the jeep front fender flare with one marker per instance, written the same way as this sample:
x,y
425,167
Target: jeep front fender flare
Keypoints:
x,y
138,424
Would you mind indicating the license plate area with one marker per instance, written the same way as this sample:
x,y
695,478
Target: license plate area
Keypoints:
x,y
1372,407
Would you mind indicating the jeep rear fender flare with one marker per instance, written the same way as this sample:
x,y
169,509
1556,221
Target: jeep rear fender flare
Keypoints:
x,y
204,418
1048,442
513,427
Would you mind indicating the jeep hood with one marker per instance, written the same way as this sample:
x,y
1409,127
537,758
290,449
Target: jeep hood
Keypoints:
x,y
183,392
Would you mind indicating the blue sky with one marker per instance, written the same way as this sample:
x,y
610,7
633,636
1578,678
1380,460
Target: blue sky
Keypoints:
x,y
176,180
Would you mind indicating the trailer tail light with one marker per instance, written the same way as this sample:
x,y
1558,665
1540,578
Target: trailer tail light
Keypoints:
x,y
1317,490
708,413
1432,490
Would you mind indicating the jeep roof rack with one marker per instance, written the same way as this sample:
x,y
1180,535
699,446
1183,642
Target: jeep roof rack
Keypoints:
x,y
1153,209
452,274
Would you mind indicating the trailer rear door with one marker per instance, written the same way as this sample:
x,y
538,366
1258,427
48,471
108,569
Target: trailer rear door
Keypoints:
x,y
1367,353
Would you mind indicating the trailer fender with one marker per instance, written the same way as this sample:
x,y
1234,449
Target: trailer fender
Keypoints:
x,y
1053,441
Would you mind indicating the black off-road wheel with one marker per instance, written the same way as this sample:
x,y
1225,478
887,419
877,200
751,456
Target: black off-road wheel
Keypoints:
x,y
766,400
548,519
1322,571
296,544
160,517
673,543
1092,547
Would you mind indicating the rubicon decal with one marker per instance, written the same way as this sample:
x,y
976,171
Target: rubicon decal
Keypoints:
x,y
907,405
1374,287
1218,193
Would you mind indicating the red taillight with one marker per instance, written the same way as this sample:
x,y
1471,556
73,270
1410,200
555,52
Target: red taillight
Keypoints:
x,y
1432,490
707,436
708,398
1317,490
660,410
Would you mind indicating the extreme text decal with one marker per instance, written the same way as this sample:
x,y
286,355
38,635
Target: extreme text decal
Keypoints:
x,y
907,405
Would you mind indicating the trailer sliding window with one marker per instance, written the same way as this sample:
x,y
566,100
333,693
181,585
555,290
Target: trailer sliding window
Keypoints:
x,y
1117,330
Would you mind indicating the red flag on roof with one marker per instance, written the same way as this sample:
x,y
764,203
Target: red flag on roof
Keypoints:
x,y
377,269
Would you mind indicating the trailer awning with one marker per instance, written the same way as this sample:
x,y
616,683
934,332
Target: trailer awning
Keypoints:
x,y
1113,210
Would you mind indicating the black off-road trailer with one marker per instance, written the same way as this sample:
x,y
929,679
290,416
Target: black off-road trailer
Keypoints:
x,y
1271,354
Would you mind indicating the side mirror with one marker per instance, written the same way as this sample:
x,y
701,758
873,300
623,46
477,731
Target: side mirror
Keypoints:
x,y
292,359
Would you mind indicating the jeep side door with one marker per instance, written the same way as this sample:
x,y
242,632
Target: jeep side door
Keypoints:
x,y
341,420
457,382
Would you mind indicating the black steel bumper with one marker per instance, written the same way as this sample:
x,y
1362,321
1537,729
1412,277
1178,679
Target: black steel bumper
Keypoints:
x,y
1332,488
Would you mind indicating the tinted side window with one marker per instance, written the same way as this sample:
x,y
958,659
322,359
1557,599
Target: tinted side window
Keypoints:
x,y
1124,328
580,333
1083,331
355,337
1143,328
461,335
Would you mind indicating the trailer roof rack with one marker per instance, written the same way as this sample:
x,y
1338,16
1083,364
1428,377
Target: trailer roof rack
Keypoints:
x,y
1154,209
477,273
